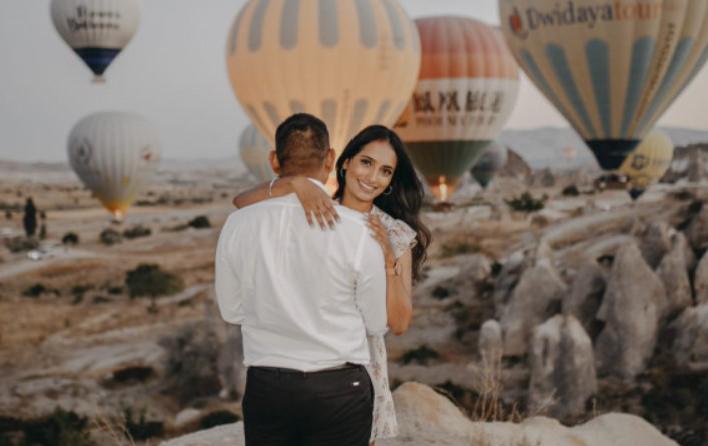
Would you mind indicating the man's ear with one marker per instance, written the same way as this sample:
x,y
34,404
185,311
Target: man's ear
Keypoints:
x,y
274,163
330,159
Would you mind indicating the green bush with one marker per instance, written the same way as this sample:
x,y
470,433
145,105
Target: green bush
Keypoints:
x,y
571,191
37,290
200,222
70,238
61,428
421,355
527,203
150,280
110,237
141,429
137,232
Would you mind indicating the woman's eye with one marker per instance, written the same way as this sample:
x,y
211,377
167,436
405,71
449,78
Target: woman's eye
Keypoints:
x,y
388,173
365,162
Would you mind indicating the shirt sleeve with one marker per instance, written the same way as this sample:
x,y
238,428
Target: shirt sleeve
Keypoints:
x,y
371,286
226,278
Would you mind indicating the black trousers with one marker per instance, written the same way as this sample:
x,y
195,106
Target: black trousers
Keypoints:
x,y
283,407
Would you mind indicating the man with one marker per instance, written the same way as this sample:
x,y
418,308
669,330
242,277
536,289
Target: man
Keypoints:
x,y
305,300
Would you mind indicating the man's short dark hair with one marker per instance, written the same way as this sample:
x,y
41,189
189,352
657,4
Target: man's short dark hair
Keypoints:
x,y
301,143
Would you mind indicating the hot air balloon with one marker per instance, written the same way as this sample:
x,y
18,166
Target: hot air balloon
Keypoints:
x,y
493,158
254,150
97,30
610,67
648,163
467,88
114,154
351,63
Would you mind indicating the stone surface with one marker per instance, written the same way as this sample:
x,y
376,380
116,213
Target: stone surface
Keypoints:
x,y
700,281
655,242
539,290
562,368
585,296
673,272
697,231
490,341
630,310
690,347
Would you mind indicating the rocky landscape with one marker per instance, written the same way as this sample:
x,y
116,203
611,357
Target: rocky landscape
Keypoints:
x,y
544,301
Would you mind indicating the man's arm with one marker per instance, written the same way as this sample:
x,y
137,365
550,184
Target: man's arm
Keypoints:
x,y
226,279
371,286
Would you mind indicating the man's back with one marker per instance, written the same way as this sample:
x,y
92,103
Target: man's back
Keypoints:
x,y
305,297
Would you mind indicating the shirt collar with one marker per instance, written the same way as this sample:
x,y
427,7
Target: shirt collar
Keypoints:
x,y
319,183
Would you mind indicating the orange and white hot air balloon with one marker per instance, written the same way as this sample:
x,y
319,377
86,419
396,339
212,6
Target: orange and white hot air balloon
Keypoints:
x,y
467,88
351,63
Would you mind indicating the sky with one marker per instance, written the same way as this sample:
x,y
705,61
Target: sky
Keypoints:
x,y
174,73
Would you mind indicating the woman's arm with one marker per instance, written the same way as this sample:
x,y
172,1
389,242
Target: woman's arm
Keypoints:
x,y
399,307
315,202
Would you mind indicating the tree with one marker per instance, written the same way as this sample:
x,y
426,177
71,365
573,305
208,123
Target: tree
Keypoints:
x,y
30,218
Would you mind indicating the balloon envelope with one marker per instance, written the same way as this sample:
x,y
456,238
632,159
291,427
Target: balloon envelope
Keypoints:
x,y
492,160
467,88
351,63
254,150
611,68
648,163
114,154
97,30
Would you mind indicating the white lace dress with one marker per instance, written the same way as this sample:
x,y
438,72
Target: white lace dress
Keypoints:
x,y
384,425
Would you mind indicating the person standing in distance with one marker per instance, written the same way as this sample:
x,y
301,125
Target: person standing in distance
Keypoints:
x,y
305,299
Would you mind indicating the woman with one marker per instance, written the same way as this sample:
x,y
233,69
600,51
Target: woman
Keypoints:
x,y
375,176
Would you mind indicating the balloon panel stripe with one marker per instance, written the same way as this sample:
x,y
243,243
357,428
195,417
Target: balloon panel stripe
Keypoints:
x,y
360,108
598,55
272,113
367,23
233,38
537,76
642,55
329,112
559,63
296,107
382,111
289,21
328,23
255,35
399,39
255,117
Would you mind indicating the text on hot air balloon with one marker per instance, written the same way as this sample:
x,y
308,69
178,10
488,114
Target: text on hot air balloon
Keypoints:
x,y
92,19
454,102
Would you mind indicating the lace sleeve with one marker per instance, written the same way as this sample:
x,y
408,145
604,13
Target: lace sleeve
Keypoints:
x,y
402,237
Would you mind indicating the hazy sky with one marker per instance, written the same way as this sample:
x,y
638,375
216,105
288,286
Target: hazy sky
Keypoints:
x,y
174,73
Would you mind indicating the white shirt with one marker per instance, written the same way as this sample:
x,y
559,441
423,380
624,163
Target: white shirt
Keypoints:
x,y
305,298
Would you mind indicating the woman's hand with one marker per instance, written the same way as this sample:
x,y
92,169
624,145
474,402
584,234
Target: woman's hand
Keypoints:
x,y
380,233
316,203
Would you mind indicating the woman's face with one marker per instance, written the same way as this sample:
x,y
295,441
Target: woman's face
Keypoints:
x,y
369,172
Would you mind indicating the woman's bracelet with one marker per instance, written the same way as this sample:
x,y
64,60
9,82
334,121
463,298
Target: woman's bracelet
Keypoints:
x,y
270,187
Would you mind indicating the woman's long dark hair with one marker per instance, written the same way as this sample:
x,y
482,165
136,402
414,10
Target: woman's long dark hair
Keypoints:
x,y
406,197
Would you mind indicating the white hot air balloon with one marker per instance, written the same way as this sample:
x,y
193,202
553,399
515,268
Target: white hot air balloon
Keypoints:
x,y
114,154
254,150
351,63
97,30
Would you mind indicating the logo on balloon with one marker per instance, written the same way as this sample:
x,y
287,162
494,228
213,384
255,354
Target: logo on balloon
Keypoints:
x,y
83,152
639,162
516,24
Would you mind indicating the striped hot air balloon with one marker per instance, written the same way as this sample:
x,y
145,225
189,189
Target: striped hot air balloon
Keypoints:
x,y
493,158
610,67
648,163
114,154
97,30
467,88
352,63
254,150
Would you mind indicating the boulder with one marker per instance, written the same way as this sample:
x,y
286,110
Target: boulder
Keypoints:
x,y
655,242
562,368
620,429
701,281
673,272
585,296
630,309
697,230
536,297
490,342
690,347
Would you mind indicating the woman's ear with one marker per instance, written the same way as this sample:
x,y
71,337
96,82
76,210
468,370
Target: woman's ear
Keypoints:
x,y
274,163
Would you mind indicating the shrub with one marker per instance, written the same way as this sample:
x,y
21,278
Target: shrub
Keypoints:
x,y
218,418
200,222
110,237
137,232
571,191
141,429
29,220
150,280
70,238
527,203
8,214
456,249
61,428
20,244
421,355
35,290
441,293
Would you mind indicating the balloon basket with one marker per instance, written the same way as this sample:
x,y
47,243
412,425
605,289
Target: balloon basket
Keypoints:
x,y
99,80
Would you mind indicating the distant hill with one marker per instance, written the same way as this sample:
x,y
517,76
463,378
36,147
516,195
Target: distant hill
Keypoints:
x,y
545,146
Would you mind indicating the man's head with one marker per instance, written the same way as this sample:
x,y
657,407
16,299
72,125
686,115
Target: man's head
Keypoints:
x,y
302,148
